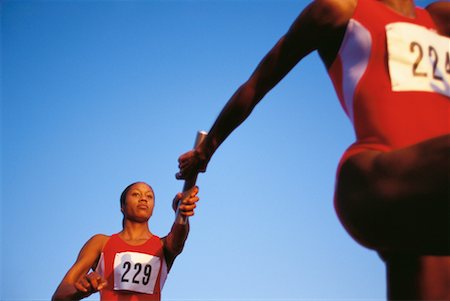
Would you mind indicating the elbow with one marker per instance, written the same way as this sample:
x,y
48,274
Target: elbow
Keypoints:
x,y
245,100
249,95
175,241
66,291
177,245
178,248
58,297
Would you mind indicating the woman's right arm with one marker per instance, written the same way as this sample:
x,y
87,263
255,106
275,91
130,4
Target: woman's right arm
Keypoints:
x,y
77,283
318,23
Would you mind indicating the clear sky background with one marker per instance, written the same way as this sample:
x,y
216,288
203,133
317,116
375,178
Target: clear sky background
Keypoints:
x,y
99,94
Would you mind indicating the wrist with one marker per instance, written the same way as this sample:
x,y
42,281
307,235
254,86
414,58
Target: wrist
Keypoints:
x,y
204,152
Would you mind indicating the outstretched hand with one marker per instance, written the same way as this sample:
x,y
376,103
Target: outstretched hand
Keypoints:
x,y
186,201
190,164
90,283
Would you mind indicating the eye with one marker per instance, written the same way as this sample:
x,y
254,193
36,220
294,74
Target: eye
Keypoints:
x,y
135,194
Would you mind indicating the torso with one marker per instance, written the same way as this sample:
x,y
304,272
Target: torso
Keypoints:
x,y
366,81
135,270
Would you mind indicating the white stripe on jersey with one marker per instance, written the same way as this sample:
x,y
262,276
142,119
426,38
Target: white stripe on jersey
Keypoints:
x,y
354,54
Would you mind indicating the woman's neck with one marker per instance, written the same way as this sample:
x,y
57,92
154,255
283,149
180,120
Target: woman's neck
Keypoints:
x,y
133,231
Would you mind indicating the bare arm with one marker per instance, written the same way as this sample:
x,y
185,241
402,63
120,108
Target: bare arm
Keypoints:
x,y
440,12
311,31
174,242
77,283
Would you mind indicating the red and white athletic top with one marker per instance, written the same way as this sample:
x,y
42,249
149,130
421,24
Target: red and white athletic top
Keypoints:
x,y
392,77
133,273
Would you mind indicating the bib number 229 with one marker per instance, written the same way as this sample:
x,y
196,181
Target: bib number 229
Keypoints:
x,y
136,272
136,276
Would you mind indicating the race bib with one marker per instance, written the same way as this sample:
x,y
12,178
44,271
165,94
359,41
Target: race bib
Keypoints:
x,y
136,272
418,59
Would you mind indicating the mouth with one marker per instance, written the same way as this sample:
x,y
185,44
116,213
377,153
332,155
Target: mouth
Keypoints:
x,y
145,207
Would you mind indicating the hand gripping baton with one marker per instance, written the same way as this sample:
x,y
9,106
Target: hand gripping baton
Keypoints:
x,y
189,182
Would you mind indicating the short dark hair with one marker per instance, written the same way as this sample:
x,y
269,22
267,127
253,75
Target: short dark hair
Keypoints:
x,y
124,194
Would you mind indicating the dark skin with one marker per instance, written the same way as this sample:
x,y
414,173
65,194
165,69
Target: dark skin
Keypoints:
x,y
80,283
406,189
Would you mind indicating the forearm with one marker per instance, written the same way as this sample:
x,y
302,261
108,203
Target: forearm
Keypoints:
x,y
175,240
236,111
67,291
317,23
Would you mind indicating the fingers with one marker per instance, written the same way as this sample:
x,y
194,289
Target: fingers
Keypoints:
x,y
82,285
102,284
188,204
184,156
180,175
90,283
187,210
190,164
187,169
185,159
193,191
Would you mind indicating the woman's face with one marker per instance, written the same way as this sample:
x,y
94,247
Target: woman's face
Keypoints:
x,y
139,202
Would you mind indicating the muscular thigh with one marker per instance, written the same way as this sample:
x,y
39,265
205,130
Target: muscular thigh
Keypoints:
x,y
396,199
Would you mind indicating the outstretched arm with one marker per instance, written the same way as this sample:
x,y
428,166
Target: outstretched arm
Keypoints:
x,y
311,31
173,243
77,283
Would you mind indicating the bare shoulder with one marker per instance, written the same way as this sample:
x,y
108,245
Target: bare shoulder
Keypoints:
x,y
87,258
90,252
322,18
439,5
440,13
99,238
323,24
333,12
97,242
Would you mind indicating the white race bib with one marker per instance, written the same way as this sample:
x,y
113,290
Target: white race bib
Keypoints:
x,y
136,272
418,59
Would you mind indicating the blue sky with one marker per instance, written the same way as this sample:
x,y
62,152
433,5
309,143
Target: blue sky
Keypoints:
x,y
99,94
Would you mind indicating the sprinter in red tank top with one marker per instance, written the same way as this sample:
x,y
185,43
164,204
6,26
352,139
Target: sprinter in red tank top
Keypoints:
x,y
133,264
389,62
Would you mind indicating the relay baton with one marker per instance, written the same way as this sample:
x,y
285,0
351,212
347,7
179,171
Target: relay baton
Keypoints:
x,y
189,182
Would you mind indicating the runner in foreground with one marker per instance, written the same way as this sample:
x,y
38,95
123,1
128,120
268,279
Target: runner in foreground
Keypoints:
x,y
389,63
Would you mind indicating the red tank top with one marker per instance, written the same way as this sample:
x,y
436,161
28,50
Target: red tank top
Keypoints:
x,y
392,78
133,273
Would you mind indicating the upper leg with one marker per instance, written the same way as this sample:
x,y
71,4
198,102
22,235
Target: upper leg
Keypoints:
x,y
397,200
